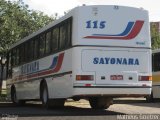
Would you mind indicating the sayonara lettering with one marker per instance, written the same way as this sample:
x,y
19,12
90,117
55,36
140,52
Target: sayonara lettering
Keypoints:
x,y
118,61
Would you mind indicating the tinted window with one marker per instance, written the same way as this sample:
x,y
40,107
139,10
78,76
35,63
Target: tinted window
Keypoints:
x,y
58,38
30,49
69,33
55,37
26,52
17,56
42,45
22,54
63,36
156,61
36,48
14,57
48,42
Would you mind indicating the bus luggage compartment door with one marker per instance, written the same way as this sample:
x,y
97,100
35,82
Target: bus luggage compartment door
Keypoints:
x,y
116,66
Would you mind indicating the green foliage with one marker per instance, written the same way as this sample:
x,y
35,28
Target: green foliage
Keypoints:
x,y
155,37
17,21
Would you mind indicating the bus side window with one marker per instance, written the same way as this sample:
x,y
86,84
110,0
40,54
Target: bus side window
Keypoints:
x,y
36,48
30,50
48,42
26,52
69,33
17,56
153,63
63,36
55,37
42,45
156,62
13,57
21,54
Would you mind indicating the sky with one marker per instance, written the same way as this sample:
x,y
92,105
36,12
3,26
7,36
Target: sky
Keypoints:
x,y
51,7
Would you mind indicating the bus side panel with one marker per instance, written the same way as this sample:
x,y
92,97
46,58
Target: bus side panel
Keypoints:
x,y
58,77
60,86
28,90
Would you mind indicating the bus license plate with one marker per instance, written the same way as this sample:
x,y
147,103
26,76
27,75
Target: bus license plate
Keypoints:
x,y
116,77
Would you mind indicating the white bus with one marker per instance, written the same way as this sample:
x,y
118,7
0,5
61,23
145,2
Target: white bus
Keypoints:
x,y
155,94
93,52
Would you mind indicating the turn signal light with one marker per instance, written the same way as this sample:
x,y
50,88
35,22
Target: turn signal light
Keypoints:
x,y
84,77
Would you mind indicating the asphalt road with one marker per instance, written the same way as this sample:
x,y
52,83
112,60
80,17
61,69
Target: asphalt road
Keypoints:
x,y
77,110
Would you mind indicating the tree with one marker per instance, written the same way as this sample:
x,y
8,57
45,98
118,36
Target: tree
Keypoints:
x,y
17,21
155,36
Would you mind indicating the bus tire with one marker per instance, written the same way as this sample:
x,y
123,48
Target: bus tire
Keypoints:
x,y
150,98
14,97
50,103
100,103
44,95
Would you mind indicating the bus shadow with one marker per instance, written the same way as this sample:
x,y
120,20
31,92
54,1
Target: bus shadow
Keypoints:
x,y
37,110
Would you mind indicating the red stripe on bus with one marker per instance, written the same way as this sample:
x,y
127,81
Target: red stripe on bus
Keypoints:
x,y
134,32
56,69
46,72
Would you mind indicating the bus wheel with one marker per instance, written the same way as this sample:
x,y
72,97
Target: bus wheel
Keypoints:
x,y
100,103
44,96
14,98
150,98
50,103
